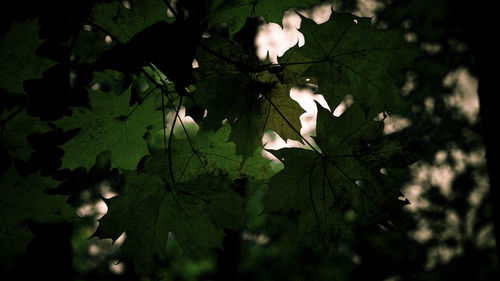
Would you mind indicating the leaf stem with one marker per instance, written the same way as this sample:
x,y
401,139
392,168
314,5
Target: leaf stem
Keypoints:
x,y
164,121
171,8
171,171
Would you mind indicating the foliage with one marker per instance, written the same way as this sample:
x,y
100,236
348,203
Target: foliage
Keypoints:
x,y
81,99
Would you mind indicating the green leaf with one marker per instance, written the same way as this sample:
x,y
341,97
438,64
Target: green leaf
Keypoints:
x,y
206,152
123,22
257,167
235,12
344,179
253,98
17,48
110,125
195,212
347,56
23,200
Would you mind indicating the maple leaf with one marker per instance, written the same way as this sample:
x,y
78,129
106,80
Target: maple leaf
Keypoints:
x,y
18,47
342,181
192,189
235,12
110,125
195,211
253,98
23,200
348,57
204,152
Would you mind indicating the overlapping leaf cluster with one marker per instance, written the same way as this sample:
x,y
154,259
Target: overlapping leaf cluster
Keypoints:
x,y
108,86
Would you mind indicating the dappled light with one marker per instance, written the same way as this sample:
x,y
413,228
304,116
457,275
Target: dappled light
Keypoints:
x,y
245,140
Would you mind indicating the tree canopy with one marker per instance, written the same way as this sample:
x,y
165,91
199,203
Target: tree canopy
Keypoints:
x,y
86,88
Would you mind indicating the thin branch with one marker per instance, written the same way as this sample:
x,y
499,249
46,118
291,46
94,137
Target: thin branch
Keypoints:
x,y
170,141
164,121
252,13
163,87
171,8
165,91
169,148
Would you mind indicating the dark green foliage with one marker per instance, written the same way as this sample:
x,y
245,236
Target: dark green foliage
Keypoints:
x,y
196,212
347,56
23,200
253,97
235,12
343,182
82,110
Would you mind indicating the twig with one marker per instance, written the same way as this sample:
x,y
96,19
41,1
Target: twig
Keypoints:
x,y
170,141
164,121
171,8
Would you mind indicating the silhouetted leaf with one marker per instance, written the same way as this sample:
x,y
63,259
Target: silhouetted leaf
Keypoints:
x,y
332,188
62,86
23,200
254,99
209,178
17,48
348,57
195,212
